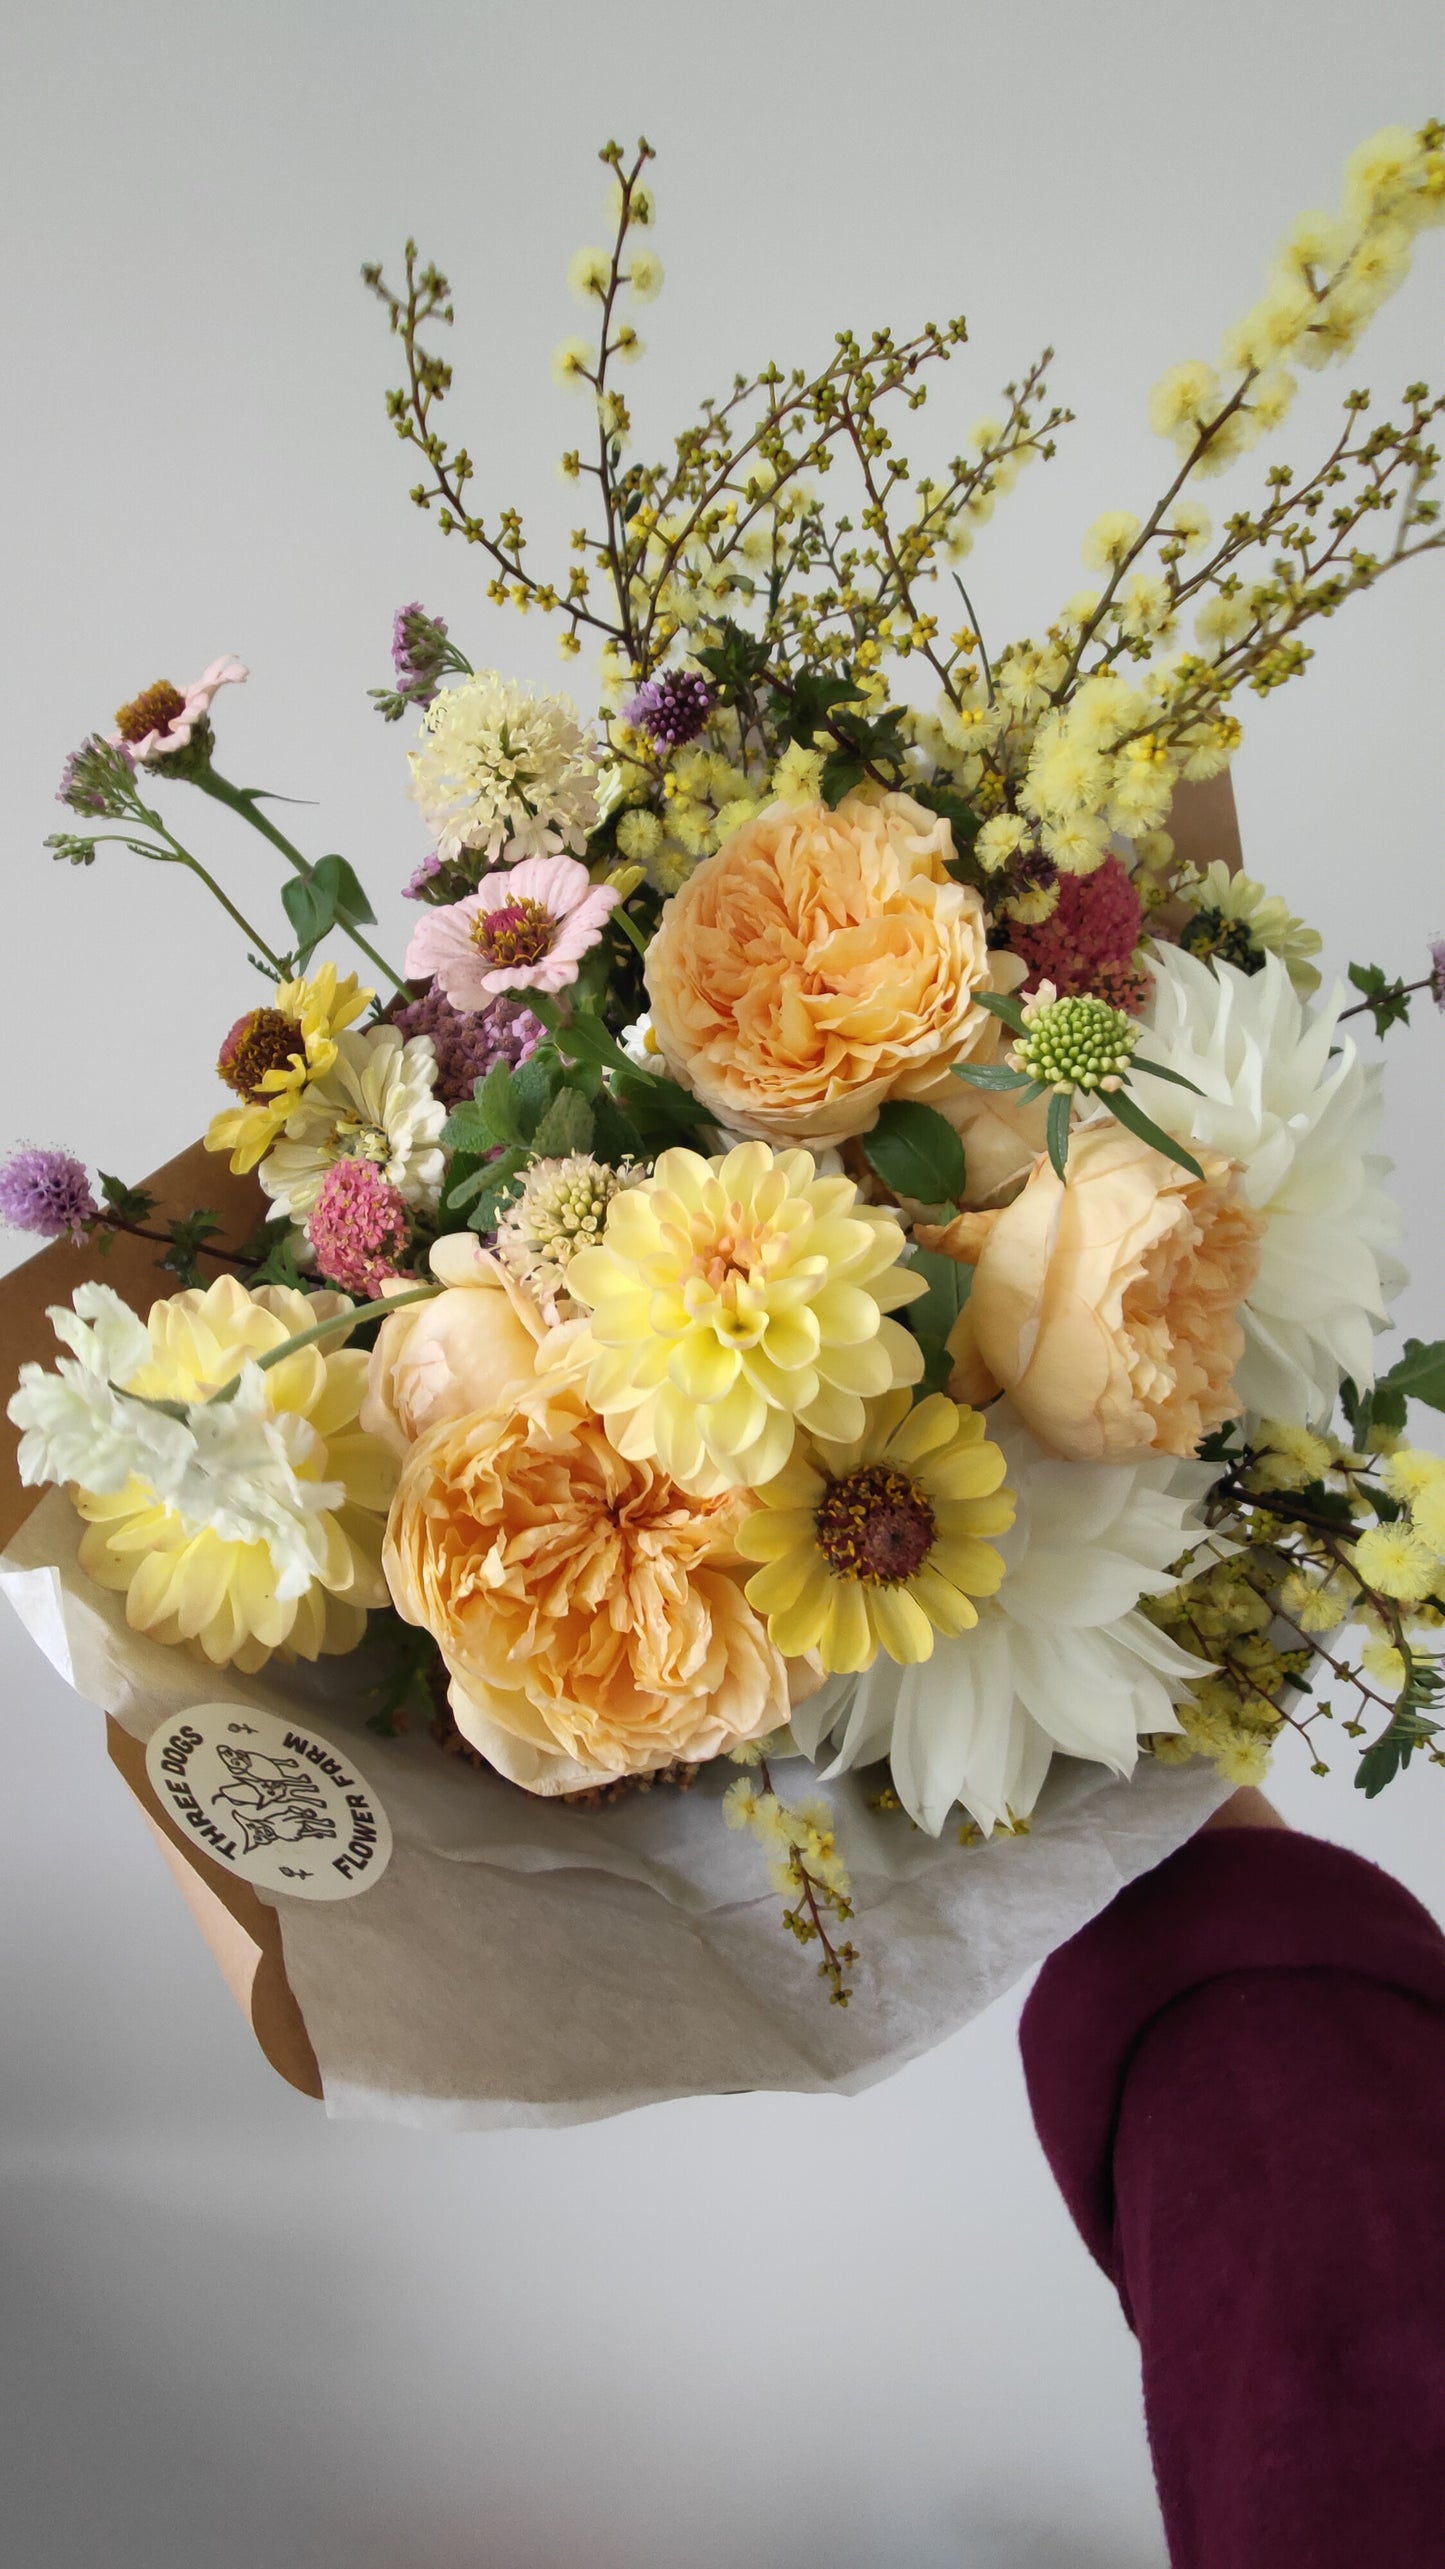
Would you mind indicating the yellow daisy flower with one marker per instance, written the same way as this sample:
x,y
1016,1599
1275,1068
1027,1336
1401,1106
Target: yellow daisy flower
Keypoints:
x,y
879,1544
272,1054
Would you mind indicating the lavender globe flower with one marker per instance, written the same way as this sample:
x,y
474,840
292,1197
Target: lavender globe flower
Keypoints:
x,y
48,1192
1437,971
671,709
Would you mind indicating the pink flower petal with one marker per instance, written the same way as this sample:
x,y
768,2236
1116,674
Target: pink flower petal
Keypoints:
x,y
558,882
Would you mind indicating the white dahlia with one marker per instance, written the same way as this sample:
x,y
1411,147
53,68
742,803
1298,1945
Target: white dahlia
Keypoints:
x,y
1293,1103
500,771
1060,1658
377,1102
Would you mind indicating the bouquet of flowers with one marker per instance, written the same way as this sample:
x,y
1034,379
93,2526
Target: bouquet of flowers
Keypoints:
x,y
836,1241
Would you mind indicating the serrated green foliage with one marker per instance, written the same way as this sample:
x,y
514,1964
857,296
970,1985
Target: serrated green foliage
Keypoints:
x,y
1387,999
566,1126
127,1203
1417,1375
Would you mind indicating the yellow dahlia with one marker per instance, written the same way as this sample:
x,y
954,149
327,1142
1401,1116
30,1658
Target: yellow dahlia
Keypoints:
x,y
732,1300
879,1544
271,1056
269,1535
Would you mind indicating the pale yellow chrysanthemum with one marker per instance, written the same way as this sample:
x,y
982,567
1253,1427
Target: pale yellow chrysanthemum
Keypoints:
x,y
1394,1560
247,1563
878,1544
271,1056
732,1299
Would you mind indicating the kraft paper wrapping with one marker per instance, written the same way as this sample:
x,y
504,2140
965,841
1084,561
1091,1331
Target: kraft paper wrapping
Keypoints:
x,y
522,1962
525,1963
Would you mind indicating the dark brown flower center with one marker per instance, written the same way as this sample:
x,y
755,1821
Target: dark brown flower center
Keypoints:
x,y
875,1524
520,932
156,710
265,1040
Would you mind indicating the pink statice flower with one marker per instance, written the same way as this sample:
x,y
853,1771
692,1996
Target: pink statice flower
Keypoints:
x,y
359,1227
525,929
163,718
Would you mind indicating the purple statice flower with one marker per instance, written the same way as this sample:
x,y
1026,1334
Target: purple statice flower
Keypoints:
x,y
96,779
671,709
466,1043
427,872
48,1192
419,652
1437,971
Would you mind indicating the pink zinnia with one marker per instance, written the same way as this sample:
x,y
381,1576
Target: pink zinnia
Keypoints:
x,y
163,718
526,928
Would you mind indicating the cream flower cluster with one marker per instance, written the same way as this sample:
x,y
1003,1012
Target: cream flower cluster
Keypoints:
x,y
500,770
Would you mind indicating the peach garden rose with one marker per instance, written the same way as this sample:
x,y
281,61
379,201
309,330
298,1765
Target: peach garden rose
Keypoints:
x,y
1107,1305
820,962
590,1613
469,1349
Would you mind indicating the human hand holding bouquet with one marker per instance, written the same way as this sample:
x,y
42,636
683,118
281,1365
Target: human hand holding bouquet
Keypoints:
x,y
837,1241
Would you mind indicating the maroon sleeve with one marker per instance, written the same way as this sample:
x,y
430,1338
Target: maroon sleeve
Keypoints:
x,y
1238,2077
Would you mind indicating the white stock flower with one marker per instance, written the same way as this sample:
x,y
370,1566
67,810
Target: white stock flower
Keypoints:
x,y
378,1103
503,772
1060,1658
1293,1103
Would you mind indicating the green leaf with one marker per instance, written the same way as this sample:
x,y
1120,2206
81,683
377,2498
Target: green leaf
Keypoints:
x,y
565,1127
1061,1108
937,1366
916,1152
309,912
534,1085
1417,1375
127,1203
999,1004
615,1137
961,817
499,1104
494,1183
842,770
1156,1070
991,1075
949,1286
1390,1754
580,1038
1135,1121
336,881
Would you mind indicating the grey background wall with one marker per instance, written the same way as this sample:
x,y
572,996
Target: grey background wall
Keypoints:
x,y
755,2330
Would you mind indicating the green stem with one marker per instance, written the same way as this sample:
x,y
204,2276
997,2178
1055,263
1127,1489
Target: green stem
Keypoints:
x,y
288,1347
242,800
631,929
182,856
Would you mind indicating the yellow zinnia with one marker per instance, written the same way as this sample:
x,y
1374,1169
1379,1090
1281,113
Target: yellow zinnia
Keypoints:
x,y
272,1054
878,1544
186,1579
731,1300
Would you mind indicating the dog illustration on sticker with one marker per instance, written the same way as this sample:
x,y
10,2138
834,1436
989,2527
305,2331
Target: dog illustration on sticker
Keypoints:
x,y
273,1801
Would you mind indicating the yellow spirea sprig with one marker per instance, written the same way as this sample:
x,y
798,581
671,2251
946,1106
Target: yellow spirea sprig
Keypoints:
x,y
1329,1553
807,1870
789,511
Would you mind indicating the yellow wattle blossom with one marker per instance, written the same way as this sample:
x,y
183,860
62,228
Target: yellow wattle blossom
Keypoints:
x,y
1408,1473
1394,1560
879,1543
731,1300
187,1580
271,1056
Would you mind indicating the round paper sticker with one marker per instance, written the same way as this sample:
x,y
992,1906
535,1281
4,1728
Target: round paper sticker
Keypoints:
x,y
271,1800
